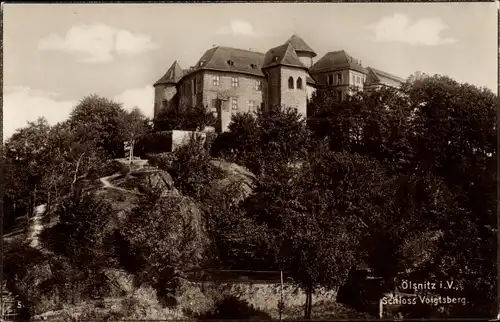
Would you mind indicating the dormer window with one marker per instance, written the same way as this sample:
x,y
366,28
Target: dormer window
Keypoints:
x,y
230,63
253,65
276,58
202,62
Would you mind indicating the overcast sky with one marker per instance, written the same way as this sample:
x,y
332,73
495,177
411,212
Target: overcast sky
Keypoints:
x,y
54,55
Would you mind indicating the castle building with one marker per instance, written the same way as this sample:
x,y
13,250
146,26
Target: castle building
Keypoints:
x,y
230,80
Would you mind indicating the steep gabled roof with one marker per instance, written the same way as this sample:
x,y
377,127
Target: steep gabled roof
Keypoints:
x,y
337,60
172,76
282,55
299,45
232,60
376,76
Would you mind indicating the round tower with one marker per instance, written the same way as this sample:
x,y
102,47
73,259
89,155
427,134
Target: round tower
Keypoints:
x,y
165,88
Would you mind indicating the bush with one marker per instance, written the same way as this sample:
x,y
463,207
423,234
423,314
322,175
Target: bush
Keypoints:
x,y
162,161
191,170
211,137
111,167
194,118
157,142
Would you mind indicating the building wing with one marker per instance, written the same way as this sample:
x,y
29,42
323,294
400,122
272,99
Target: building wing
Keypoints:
x,y
379,77
337,60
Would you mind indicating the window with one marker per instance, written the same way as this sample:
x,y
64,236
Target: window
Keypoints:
x,y
251,106
358,80
216,80
234,103
213,108
258,85
339,79
194,86
234,81
330,79
299,83
290,82
339,95
353,79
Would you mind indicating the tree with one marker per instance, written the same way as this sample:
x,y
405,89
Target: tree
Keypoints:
x,y
167,238
27,155
188,119
266,139
135,125
436,140
74,159
238,241
318,214
101,120
377,124
191,168
455,139
80,237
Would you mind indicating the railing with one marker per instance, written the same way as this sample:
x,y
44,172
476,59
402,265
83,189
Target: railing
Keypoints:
x,y
10,309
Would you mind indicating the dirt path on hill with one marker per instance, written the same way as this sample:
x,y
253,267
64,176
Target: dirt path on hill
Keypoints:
x,y
36,227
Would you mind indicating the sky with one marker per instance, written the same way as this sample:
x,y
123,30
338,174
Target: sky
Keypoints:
x,y
54,55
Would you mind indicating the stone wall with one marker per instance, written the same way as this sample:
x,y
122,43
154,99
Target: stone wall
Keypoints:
x,y
264,297
180,138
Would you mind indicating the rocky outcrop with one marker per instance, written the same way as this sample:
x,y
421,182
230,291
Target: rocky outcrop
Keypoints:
x,y
159,180
237,180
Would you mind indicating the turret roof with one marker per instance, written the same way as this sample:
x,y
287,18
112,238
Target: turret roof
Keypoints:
x,y
300,45
172,76
282,55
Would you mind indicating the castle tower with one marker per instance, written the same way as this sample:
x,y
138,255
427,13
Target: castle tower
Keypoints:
x,y
165,88
287,77
303,51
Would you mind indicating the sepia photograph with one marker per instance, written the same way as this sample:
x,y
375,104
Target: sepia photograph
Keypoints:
x,y
278,161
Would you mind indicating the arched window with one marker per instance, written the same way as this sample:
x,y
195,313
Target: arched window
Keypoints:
x,y
299,83
290,82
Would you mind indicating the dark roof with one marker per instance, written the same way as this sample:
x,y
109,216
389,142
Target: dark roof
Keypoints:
x,y
231,60
300,45
376,76
172,76
282,55
337,60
